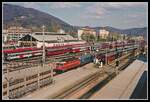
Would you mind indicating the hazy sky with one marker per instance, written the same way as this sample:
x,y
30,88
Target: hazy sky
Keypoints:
x,y
115,14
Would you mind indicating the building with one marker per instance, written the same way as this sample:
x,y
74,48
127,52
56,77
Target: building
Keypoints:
x,y
86,30
122,37
137,37
5,36
51,38
61,31
15,33
103,33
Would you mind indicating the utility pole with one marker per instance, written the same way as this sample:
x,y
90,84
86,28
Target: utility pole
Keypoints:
x,y
43,47
31,37
31,40
134,48
117,62
7,78
106,54
43,57
52,68
123,43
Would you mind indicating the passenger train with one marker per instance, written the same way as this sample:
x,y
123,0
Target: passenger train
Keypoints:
x,y
21,53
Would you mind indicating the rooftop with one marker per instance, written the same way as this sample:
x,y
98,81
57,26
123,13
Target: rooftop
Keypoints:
x,y
50,36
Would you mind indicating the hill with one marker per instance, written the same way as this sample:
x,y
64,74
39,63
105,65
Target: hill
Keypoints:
x,y
31,18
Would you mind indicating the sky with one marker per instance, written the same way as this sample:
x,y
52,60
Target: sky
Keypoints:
x,y
121,15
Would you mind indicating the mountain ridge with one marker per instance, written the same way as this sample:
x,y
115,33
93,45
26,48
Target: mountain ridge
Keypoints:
x,y
25,17
32,18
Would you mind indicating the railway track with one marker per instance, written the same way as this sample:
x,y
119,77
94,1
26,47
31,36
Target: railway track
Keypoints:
x,y
77,91
98,86
39,58
89,86
33,62
79,86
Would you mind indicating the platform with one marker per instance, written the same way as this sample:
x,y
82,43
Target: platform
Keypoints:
x,y
123,85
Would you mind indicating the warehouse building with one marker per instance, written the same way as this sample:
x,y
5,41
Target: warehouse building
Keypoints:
x,y
51,38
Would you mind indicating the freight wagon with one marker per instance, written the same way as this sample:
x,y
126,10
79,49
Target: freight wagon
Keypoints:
x,y
84,59
68,64
109,56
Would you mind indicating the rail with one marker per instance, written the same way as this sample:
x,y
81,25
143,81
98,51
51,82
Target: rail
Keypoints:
x,y
92,79
78,86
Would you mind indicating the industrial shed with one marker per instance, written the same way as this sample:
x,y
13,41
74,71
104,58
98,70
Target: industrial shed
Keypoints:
x,y
49,37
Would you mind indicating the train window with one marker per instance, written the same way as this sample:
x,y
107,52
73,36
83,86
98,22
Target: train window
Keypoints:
x,y
14,54
10,47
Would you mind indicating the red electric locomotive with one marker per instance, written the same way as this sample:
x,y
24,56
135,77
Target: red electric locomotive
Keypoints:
x,y
67,64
